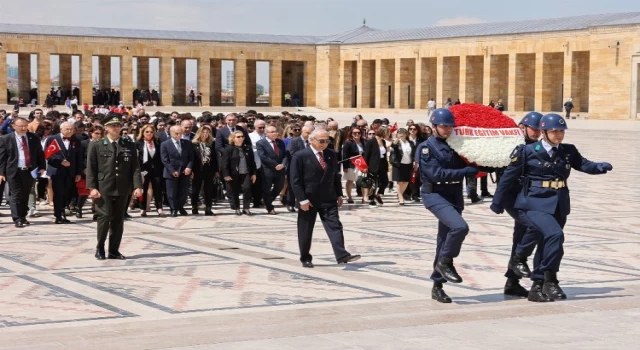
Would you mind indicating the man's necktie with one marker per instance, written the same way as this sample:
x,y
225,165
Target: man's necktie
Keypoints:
x,y
178,147
27,154
323,164
306,143
275,147
554,150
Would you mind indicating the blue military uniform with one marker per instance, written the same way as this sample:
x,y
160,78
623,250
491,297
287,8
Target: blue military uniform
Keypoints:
x,y
441,172
544,198
525,236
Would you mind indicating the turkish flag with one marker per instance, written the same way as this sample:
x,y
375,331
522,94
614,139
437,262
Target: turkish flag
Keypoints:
x,y
53,148
394,127
360,163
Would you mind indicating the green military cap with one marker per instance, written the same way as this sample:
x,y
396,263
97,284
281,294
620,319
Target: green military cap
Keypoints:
x,y
112,119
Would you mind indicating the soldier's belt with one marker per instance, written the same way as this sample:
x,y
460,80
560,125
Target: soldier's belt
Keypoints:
x,y
555,184
449,183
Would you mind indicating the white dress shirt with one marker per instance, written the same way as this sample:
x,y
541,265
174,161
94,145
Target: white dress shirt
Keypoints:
x,y
548,147
255,137
22,163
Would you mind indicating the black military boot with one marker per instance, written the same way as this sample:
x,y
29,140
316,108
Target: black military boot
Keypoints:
x,y
551,287
519,266
445,267
536,295
513,288
438,294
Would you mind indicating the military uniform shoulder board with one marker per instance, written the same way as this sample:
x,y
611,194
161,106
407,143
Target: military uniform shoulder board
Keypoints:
x,y
514,154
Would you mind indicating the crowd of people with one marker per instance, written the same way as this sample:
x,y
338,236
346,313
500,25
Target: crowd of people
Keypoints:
x,y
215,158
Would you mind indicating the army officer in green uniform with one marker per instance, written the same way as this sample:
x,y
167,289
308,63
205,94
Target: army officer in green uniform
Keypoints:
x,y
112,173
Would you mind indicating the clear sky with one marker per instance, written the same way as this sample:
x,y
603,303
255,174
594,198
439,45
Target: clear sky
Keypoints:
x,y
303,17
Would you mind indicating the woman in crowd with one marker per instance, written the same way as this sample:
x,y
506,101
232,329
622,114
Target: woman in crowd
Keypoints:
x,y
44,131
239,171
375,154
96,132
205,168
401,158
353,146
416,137
151,169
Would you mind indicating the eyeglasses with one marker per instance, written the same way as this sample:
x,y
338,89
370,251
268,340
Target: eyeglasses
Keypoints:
x,y
355,133
323,141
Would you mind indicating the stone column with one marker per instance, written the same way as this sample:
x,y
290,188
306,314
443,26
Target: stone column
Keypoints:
x,y
275,83
3,77
567,79
251,82
512,84
166,87
65,72
342,79
398,97
204,81
464,79
216,82
440,98
126,79
143,73
486,80
539,86
179,81
24,75
104,69
359,83
44,75
310,75
86,78
418,95
379,83
240,83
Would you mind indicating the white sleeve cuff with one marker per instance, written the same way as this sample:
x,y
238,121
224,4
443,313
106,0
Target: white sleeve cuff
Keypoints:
x,y
304,202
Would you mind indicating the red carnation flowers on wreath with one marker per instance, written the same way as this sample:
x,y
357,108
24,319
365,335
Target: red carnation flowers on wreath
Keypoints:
x,y
483,135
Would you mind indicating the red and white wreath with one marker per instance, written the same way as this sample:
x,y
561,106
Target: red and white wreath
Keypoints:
x,y
483,135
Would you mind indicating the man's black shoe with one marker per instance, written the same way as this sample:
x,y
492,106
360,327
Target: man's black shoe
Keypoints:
x,y
514,289
445,267
174,213
117,256
475,199
536,295
20,224
519,266
349,258
183,212
438,294
100,254
127,216
486,195
551,287
66,221
291,208
95,217
307,264
79,214
26,222
195,211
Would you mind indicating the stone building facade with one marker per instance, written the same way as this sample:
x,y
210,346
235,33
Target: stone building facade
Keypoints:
x,y
529,65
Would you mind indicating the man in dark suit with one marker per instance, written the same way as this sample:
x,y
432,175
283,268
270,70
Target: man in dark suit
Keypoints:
x,y
273,160
222,135
315,178
296,144
177,158
162,133
64,168
20,155
113,172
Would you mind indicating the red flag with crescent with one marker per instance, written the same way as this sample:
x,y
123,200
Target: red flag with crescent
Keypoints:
x,y
394,127
52,149
360,163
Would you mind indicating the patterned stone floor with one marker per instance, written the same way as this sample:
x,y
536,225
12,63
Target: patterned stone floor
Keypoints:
x,y
235,283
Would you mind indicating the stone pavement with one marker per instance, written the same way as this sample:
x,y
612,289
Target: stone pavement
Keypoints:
x,y
235,283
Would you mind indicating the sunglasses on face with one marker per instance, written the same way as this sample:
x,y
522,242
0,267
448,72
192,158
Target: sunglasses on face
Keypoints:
x,y
371,133
412,129
296,130
356,133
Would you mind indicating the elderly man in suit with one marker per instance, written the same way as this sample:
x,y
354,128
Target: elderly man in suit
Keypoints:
x,y
296,144
177,158
20,155
271,152
64,168
315,179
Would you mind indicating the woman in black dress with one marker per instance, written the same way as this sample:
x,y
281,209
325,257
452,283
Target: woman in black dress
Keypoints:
x,y
401,158
205,169
151,168
353,146
239,171
375,154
